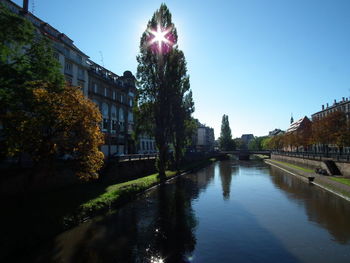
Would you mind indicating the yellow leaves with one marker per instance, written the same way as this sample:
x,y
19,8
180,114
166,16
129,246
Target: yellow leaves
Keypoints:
x,y
59,123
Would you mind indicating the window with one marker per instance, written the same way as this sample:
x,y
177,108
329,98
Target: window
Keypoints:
x,y
130,116
105,124
81,74
105,92
79,58
114,118
68,67
67,52
114,125
121,114
95,87
105,110
114,97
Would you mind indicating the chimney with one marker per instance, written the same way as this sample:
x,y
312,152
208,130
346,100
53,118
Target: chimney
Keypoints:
x,y
327,105
343,98
25,6
322,107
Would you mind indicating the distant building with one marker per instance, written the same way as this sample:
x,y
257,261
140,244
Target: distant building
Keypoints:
x,y
275,132
204,138
146,144
343,105
299,125
246,138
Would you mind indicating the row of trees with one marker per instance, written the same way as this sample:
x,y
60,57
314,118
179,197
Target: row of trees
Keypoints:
x,y
334,129
164,103
41,118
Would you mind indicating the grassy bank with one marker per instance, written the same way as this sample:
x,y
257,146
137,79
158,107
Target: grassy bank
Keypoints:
x,y
294,166
120,193
345,181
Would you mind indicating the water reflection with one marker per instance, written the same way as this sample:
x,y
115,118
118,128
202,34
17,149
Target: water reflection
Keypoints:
x,y
174,238
157,228
322,207
225,172
188,221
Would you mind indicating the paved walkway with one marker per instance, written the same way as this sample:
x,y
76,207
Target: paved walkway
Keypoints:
x,y
325,182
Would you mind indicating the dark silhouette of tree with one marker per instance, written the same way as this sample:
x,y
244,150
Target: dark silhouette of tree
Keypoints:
x,y
164,86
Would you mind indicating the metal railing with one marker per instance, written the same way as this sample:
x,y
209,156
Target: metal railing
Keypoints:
x,y
318,156
134,157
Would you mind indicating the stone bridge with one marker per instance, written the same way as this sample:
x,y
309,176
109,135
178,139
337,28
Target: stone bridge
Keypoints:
x,y
245,154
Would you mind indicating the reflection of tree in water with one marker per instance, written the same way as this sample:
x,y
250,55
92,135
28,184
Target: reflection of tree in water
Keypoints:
x,y
225,171
322,207
174,238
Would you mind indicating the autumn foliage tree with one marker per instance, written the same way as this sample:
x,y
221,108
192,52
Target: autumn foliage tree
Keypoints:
x,y
39,115
332,129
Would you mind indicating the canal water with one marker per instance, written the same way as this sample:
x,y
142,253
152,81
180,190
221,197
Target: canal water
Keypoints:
x,y
230,211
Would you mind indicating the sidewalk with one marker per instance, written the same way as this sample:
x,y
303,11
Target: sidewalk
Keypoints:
x,y
322,181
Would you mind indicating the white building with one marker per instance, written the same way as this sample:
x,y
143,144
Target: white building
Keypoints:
x,y
205,138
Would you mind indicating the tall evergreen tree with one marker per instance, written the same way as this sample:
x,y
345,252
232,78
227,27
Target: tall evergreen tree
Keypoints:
x,y
164,85
225,140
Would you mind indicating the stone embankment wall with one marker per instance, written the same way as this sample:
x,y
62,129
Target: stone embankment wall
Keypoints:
x,y
343,167
125,171
21,181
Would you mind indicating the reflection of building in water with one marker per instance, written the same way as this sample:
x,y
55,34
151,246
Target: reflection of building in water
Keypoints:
x,y
332,213
204,177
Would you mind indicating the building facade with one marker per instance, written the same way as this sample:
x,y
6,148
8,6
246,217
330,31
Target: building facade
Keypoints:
x,y
343,105
73,61
113,94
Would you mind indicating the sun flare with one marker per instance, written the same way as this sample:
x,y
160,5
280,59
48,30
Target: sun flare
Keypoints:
x,y
159,37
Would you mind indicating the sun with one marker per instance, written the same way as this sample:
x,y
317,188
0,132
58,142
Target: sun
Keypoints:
x,y
160,37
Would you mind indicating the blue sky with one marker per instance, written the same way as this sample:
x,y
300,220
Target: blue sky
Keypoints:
x,y
256,61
